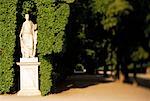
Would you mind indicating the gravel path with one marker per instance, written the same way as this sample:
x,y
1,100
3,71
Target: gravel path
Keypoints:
x,y
110,91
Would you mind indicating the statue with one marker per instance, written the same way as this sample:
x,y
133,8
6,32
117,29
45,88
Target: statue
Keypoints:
x,y
28,38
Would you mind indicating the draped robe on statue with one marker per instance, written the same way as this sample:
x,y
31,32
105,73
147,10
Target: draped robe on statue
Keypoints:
x,y
27,39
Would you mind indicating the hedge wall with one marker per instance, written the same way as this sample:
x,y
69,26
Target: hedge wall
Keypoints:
x,y
7,43
52,19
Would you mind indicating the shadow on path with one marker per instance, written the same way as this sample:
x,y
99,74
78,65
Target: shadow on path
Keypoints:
x,y
142,80
80,81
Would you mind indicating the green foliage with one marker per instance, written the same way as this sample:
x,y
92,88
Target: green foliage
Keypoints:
x,y
51,20
45,75
131,66
118,7
111,57
139,54
82,34
7,43
69,1
147,28
100,6
28,7
109,22
90,52
111,10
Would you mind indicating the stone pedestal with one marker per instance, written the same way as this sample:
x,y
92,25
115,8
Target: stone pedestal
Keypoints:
x,y
29,85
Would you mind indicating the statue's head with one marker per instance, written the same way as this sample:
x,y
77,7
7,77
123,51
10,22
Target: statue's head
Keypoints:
x,y
27,16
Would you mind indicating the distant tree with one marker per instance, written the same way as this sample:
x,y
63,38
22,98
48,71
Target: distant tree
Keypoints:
x,y
111,10
139,55
147,25
140,17
89,19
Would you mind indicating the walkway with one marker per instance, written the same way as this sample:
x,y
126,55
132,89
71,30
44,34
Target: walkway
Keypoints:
x,y
108,91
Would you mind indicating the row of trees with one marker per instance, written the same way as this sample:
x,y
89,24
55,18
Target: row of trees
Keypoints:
x,y
108,32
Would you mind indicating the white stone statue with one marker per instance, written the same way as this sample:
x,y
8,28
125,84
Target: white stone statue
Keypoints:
x,y
28,38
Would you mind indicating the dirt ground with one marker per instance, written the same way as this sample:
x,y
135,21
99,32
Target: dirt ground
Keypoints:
x,y
92,90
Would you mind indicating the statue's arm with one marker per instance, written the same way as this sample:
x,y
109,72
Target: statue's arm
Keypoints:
x,y
21,39
21,31
35,33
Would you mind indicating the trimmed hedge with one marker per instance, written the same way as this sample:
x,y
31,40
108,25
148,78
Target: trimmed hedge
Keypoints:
x,y
52,19
7,43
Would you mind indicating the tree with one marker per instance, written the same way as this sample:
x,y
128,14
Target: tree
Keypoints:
x,y
111,10
110,13
147,24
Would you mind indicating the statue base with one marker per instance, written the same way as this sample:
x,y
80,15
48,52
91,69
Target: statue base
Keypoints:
x,y
29,85
29,92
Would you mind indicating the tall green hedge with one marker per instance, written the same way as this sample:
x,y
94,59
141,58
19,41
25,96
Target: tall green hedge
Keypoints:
x,y
7,43
52,19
